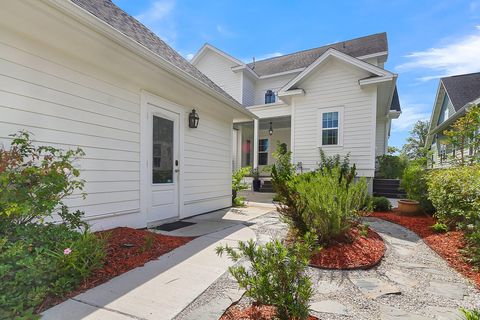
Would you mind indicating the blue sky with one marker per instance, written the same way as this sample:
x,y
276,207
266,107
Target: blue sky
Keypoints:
x,y
427,39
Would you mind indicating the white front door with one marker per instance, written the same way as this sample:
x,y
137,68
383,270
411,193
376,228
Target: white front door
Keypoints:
x,y
163,162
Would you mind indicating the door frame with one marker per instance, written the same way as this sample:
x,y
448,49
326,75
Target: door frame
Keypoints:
x,y
145,179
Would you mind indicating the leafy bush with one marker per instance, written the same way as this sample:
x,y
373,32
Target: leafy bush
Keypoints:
x,y
331,162
381,204
455,193
472,250
34,180
238,185
276,275
473,314
390,166
39,261
440,227
414,181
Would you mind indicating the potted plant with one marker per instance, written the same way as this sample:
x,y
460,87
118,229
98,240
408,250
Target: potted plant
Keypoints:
x,y
408,207
256,179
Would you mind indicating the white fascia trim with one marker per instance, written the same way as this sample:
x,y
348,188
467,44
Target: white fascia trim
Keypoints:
x,y
341,56
289,93
80,14
393,114
208,46
429,140
373,55
246,68
281,73
375,80
269,105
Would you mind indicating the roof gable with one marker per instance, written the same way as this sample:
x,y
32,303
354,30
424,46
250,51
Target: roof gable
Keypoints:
x,y
109,13
378,73
462,89
371,45
208,47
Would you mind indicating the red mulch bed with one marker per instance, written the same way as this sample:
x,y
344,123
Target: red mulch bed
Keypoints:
x,y
447,245
361,253
127,249
252,312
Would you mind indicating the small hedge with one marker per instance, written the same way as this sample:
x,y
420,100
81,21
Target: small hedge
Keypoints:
x,y
381,204
414,181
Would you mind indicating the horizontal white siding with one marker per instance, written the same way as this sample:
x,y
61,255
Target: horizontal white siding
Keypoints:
x,y
248,91
273,83
219,70
336,85
66,109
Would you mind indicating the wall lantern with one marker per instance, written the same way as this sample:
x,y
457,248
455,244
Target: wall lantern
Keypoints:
x,y
193,119
270,131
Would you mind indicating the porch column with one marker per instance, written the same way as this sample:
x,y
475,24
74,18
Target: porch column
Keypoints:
x,y
255,143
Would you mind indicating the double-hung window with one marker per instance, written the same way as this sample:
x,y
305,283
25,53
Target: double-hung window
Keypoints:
x,y
263,152
331,127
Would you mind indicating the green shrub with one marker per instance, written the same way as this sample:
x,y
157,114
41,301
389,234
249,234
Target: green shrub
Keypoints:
x,y
472,250
473,314
35,180
455,193
440,227
329,163
390,166
381,204
414,181
238,185
276,275
34,265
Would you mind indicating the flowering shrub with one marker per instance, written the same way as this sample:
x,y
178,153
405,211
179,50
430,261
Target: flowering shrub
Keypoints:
x,y
34,180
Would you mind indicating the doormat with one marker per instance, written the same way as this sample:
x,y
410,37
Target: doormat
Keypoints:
x,y
174,225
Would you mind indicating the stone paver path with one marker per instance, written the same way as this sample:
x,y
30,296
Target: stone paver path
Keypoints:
x,y
411,282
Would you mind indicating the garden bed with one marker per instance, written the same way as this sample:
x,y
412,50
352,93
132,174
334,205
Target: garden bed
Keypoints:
x,y
448,245
241,311
363,252
126,249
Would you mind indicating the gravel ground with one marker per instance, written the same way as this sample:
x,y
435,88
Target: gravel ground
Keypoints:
x,y
411,282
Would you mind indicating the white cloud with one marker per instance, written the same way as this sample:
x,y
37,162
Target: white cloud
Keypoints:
x,y
457,57
158,17
411,113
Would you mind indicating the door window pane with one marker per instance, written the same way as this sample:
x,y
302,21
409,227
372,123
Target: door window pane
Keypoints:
x,y
162,162
263,152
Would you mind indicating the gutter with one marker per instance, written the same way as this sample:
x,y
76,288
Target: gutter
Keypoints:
x,y
105,29
444,125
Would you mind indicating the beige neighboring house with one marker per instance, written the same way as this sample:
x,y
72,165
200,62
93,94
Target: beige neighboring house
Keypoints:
x,y
454,95
85,73
337,97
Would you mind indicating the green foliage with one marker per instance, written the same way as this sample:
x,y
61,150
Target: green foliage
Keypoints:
x,y
34,265
440,227
381,204
276,275
464,135
328,204
390,166
472,250
331,162
238,185
414,181
415,148
35,180
473,314
455,193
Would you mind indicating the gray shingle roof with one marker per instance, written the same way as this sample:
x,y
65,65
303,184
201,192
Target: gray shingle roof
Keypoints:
x,y
108,12
462,89
363,46
395,106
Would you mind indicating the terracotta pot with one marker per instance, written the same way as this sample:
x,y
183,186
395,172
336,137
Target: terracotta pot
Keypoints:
x,y
409,207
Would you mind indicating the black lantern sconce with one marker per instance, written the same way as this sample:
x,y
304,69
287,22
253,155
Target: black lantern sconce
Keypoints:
x,y
270,131
193,119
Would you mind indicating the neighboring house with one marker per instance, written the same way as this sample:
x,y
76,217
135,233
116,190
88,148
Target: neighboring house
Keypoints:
x,y
454,95
84,73
337,97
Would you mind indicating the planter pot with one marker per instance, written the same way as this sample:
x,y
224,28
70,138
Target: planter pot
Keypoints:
x,y
256,185
409,207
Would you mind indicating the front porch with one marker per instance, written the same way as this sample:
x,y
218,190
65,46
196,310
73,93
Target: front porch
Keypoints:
x,y
255,142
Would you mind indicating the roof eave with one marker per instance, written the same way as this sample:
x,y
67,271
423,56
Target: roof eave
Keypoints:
x,y
110,32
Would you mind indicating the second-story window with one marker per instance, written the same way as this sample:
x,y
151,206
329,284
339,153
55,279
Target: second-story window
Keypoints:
x,y
269,96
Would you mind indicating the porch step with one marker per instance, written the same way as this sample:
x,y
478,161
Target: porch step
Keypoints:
x,y
266,186
389,188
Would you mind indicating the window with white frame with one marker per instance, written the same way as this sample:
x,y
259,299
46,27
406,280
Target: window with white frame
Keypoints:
x,y
263,152
331,133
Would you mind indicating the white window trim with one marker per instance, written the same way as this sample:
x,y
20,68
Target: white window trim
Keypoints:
x,y
320,112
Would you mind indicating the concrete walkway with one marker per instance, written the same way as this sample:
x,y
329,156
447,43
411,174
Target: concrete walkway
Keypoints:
x,y
164,287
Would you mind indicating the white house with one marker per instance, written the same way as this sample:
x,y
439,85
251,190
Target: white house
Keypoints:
x,y
454,95
84,73
337,97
